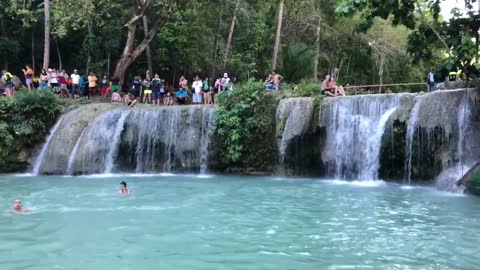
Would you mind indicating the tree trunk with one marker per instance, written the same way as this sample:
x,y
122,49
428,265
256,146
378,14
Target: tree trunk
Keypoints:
x,y
131,53
33,50
230,36
60,64
149,53
90,33
108,64
277,36
46,44
317,54
380,71
3,31
215,46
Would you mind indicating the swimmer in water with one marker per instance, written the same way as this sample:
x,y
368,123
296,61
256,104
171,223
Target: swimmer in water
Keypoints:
x,y
124,189
18,208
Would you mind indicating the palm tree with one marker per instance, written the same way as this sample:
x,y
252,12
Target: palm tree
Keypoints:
x,y
297,62
277,36
46,44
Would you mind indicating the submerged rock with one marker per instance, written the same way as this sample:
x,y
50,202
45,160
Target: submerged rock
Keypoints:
x,y
471,180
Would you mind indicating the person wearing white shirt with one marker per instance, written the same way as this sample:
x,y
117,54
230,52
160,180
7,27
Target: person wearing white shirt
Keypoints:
x,y
197,87
75,83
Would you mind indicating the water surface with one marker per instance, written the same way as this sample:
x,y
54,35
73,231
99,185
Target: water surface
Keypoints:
x,y
227,222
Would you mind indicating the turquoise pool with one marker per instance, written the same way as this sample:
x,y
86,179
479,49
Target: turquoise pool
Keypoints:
x,y
229,222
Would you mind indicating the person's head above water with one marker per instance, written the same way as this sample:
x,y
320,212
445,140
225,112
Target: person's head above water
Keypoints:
x,y
123,188
17,205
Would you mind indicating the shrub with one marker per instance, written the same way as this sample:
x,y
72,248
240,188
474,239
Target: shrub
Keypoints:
x,y
245,118
25,120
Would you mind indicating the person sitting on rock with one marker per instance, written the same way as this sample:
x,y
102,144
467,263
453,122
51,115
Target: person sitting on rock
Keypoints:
x,y
326,88
168,99
182,96
130,100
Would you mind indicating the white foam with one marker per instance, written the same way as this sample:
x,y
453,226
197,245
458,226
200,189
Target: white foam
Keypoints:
x,y
23,175
273,253
366,183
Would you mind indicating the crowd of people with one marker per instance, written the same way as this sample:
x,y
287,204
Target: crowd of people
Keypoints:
x,y
148,90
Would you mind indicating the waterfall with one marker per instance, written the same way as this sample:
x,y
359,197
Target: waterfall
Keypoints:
x,y
97,143
207,132
71,160
115,143
447,179
41,156
171,139
355,127
463,125
371,172
411,128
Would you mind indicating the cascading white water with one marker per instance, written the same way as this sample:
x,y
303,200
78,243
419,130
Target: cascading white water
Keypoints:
x,y
207,132
171,139
41,156
411,128
140,140
463,128
375,146
115,143
355,127
96,143
71,160
447,179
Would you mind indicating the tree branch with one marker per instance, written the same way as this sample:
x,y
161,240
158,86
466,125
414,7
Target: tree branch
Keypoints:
x,y
439,37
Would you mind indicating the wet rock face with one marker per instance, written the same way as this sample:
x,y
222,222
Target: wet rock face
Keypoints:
x,y
63,142
471,181
355,127
443,137
299,141
105,138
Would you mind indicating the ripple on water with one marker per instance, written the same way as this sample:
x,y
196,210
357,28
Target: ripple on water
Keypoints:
x,y
214,224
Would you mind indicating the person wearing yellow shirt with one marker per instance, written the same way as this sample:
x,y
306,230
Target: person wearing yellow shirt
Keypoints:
x,y
92,83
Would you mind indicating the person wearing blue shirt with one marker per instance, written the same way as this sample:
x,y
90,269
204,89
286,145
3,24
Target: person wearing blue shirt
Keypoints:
x,y
83,87
182,96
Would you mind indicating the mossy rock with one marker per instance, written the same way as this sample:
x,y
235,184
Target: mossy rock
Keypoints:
x,y
471,180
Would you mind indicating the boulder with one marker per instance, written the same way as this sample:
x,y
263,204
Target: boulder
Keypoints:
x,y
471,180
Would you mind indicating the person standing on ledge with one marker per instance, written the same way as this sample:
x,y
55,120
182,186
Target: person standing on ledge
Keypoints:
x,y
7,77
431,81
123,189
28,72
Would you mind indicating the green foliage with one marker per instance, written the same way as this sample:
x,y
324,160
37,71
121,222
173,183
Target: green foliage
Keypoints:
x,y
25,120
297,62
454,44
245,118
